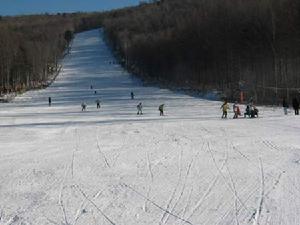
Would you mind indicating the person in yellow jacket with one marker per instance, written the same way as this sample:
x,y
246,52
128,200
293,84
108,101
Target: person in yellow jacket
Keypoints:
x,y
225,108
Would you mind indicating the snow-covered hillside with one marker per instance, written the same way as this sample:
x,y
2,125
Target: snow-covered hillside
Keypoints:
x,y
59,165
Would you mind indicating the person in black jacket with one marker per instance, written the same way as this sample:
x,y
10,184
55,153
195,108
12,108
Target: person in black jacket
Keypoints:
x,y
296,106
83,106
140,109
161,109
49,101
98,103
285,106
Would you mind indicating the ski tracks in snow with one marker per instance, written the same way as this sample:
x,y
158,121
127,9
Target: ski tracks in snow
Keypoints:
x,y
94,204
155,204
206,193
102,154
230,188
149,166
259,208
174,190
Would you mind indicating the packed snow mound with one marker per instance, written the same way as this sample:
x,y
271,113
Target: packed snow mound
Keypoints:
x,y
60,165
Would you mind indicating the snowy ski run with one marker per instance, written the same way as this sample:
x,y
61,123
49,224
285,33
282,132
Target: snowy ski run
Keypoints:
x,y
60,165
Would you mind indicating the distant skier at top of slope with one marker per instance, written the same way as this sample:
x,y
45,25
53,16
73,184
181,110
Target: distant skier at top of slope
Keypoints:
x,y
132,95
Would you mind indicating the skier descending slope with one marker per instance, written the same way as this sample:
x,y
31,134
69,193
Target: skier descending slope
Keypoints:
x,y
98,103
140,109
49,101
161,109
83,106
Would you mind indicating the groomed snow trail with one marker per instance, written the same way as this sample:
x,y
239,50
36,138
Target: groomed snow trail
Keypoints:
x,y
109,166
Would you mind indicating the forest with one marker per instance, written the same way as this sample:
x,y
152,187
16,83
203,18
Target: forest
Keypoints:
x,y
232,46
31,47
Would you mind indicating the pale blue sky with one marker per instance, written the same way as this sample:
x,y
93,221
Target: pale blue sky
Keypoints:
x,y
18,7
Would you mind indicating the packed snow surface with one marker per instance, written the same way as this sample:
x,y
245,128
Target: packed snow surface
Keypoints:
x,y
62,166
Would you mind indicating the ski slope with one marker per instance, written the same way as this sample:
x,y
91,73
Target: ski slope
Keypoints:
x,y
109,166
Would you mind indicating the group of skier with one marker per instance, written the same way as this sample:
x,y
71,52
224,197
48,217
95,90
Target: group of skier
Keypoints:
x,y
251,110
84,105
140,109
98,105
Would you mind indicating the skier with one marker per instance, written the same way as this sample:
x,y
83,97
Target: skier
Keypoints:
x,y
296,106
91,87
132,95
50,101
224,108
139,108
253,111
83,106
98,103
161,109
247,111
236,110
95,92
285,106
